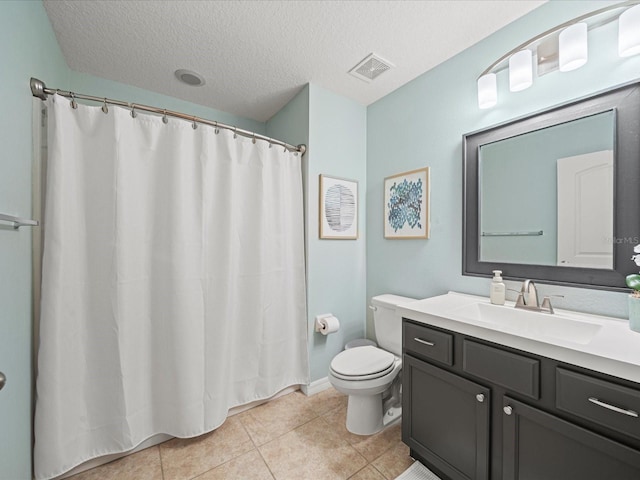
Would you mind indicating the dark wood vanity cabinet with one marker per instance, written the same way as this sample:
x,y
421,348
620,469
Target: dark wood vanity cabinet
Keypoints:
x,y
448,421
538,445
473,410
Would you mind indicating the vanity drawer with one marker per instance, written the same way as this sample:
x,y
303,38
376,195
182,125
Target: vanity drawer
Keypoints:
x,y
518,373
429,343
602,402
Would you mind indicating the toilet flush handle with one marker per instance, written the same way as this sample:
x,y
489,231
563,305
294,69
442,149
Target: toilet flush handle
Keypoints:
x,y
373,308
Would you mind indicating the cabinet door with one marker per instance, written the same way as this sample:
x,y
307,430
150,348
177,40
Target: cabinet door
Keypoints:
x,y
446,420
540,446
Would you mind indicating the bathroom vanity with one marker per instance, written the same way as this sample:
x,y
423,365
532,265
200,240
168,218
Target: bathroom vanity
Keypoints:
x,y
493,392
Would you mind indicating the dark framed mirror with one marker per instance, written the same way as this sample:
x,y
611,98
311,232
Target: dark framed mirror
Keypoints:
x,y
555,196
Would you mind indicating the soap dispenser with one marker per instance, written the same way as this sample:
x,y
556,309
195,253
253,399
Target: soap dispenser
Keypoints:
x,y
497,291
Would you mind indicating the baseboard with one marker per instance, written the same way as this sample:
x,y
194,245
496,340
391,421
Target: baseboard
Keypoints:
x,y
316,386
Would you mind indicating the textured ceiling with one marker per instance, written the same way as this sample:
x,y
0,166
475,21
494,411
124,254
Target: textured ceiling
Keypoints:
x,y
256,55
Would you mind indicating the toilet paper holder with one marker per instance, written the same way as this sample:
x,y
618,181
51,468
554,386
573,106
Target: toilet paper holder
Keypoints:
x,y
320,322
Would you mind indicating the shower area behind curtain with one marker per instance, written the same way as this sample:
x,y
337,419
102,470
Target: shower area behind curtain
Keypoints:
x,y
173,281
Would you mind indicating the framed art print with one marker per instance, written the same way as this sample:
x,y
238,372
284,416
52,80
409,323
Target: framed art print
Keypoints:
x,y
406,205
338,208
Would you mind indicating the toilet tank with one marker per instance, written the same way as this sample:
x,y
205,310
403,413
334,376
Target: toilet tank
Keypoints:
x,y
388,323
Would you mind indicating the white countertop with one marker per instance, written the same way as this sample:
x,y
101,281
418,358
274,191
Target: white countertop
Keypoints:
x,y
614,350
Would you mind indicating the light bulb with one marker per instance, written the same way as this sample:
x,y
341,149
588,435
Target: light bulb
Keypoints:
x,y
629,32
572,47
520,71
487,91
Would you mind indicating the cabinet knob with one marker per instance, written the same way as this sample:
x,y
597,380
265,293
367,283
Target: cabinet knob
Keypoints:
x,y
3,380
480,397
508,410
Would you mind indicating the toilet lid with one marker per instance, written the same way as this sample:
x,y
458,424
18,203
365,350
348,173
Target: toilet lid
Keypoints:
x,y
362,361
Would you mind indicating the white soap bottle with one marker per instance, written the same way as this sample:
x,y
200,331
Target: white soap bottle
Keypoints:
x,y
497,290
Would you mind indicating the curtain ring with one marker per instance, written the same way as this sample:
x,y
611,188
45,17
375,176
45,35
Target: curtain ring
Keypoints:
x,y
217,130
194,125
105,109
74,105
270,143
165,119
133,111
235,132
56,93
286,149
254,139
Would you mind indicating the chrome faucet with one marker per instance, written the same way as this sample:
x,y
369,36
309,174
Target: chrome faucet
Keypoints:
x,y
528,299
528,296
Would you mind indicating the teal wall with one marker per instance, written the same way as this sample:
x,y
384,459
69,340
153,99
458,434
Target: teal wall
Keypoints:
x,y
27,48
422,123
525,168
334,130
336,269
291,123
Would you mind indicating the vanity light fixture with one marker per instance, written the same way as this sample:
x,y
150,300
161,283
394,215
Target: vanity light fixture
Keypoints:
x,y
563,48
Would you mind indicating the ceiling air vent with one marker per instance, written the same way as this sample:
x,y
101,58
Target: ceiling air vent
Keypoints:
x,y
370,68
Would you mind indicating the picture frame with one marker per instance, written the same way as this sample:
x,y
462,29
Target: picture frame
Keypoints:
x,y
338,208
406,205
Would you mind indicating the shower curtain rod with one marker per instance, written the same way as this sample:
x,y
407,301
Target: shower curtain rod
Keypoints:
x,y
40,90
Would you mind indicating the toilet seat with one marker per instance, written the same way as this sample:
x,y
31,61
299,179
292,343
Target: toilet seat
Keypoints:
x,y
362,363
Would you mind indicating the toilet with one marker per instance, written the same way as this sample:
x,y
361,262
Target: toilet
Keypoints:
x,y
370,375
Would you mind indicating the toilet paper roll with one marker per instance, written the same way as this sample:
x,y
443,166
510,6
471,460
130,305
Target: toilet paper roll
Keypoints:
x,y
328,324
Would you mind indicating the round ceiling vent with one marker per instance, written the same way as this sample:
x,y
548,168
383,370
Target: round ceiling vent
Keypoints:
x,y
190,77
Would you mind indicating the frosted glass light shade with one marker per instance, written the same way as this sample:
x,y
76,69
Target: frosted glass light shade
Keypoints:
x,y
487,91
629,32
520,71
572,47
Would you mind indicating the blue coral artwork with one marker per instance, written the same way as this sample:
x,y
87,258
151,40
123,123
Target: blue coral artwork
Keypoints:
x,y
338,208
406,205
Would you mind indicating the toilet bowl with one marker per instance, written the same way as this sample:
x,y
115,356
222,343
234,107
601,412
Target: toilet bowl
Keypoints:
x,y
370,375
364,374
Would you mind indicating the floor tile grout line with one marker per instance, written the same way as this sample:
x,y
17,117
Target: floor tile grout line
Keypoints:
x,y
380,472
257,448
303,400
244,427
161,465
273,475
353,444
221,464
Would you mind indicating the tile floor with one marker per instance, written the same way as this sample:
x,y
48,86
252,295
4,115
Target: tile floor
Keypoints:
x,y
292,437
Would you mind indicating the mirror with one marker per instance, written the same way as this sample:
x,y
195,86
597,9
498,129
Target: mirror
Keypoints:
x,y
555,196
565,187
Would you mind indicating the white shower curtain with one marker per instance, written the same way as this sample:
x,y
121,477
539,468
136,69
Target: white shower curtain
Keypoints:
x,y
173,281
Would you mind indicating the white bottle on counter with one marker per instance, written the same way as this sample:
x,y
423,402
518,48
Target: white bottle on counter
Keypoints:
x,y
497,290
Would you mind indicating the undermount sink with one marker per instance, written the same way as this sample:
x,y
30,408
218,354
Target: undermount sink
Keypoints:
x,y
529,323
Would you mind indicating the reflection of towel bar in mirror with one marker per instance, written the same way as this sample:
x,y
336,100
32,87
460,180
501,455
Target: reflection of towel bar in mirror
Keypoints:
x,y
17,221
513,234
